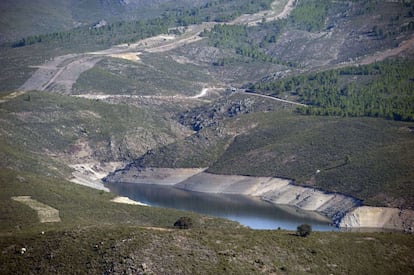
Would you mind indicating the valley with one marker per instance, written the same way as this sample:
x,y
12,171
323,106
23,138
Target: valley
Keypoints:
x,y
61,74
307,104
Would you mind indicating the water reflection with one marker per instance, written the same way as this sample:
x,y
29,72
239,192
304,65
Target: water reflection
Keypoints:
x,y
252,212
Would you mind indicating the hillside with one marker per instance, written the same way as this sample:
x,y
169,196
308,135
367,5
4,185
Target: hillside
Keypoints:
x,y
305,103
355,156
366,158
164,74
70,130
125,249
22,18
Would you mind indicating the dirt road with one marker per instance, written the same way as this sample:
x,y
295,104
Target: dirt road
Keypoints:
x,y
59,74
280,9
203,93
279,99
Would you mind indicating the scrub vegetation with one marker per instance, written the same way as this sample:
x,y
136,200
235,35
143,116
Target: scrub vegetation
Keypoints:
x,y
128,249
45,125
323,96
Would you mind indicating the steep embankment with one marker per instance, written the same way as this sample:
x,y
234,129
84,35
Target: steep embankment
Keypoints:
x,y
379,217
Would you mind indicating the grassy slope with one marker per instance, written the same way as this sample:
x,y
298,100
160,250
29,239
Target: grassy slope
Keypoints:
x,y
20,18
206,146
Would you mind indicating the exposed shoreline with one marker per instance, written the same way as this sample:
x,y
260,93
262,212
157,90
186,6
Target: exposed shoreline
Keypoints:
x,y
345,212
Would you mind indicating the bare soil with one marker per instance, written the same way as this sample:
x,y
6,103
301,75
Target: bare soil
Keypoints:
x,y
280,9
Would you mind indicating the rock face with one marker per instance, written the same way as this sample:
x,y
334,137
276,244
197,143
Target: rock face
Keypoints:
x,y
274,190
379,217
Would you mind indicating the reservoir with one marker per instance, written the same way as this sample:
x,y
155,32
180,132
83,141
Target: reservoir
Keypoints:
x,y
248,211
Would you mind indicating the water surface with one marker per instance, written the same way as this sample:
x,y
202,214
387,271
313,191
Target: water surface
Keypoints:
x,y
246,210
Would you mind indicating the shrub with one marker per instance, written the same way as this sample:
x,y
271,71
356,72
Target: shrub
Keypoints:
x,y
304,230
183,223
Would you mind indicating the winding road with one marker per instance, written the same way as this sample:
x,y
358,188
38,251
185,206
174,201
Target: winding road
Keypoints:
x,y
59,74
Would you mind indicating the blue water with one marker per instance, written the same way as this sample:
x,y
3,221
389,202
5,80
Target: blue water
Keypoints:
x,y
249,211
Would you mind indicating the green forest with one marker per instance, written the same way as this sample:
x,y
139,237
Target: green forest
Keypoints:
x,y
383,89
310,15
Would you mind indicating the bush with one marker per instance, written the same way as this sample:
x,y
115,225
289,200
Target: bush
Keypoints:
x,y
183,223
304,230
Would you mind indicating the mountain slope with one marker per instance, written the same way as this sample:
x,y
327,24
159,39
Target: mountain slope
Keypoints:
x,y
72,130
371,159
22,18
128,107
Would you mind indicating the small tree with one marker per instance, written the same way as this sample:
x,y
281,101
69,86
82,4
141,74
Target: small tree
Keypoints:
x,y
304,230
183,223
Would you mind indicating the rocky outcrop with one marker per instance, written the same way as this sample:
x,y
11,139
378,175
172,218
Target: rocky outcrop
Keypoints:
x,y
233,104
